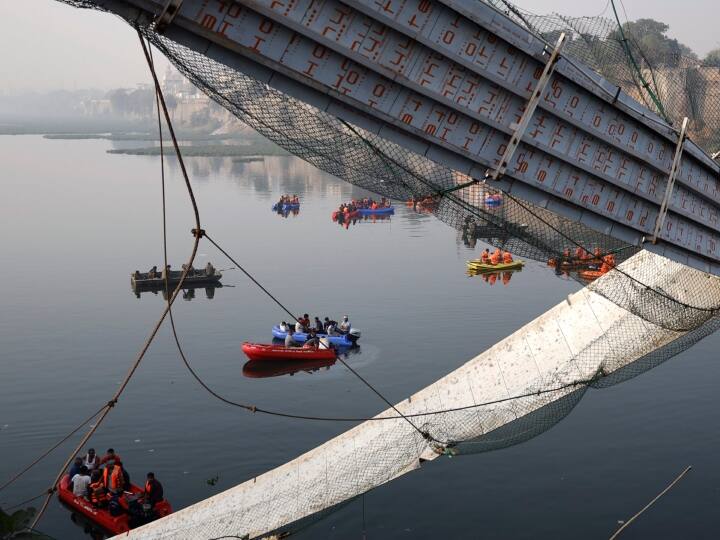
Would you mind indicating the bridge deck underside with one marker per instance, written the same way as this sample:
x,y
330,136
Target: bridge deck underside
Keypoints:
x,y
449,80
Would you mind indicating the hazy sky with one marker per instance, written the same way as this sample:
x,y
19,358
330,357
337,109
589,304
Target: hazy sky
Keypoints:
x,y
47,45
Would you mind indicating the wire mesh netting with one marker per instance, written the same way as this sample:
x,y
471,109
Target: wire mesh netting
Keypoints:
x,y
668,78
377,165
666,307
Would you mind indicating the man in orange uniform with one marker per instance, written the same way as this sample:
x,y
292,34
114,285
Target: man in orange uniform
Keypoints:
x,y
507,258
113,478
153,490
496,257
485,256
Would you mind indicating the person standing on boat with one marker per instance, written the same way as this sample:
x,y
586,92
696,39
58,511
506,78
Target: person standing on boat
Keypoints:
x,y
91,461
345,325
110,455
153,490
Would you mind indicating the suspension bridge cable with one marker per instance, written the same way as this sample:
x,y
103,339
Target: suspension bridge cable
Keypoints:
x,y
50,450
648,505
197,233
424,434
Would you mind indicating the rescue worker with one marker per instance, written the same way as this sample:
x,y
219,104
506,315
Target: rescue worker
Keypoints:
x,y
496,257
580,253
110,455
153,493
113,478
96,489
485,256
507,258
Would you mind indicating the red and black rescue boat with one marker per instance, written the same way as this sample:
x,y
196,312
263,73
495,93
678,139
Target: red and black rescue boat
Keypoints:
x,y
263,352
115,524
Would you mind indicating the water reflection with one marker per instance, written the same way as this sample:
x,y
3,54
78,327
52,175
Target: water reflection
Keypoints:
x,y
188,291
259,370
492,277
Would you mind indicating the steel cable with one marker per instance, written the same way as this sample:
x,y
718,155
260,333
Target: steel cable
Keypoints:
x,y
151,337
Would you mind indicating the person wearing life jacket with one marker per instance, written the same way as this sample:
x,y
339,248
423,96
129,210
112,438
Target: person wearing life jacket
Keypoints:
x,y
496,257
113,478
580,253
153,492
507,258
485,256
96,489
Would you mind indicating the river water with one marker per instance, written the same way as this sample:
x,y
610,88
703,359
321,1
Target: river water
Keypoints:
x,y
77,221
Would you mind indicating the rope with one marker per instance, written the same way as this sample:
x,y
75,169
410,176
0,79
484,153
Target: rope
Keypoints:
x,y
648,505
645,84
26,501
49,450
343,362
133,368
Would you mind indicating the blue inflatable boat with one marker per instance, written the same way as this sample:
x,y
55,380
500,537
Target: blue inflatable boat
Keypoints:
x,y
386,210
285,207
345,340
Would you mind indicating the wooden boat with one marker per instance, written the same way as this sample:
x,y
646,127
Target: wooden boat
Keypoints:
x,y
263,352
102,516
479,267
147,281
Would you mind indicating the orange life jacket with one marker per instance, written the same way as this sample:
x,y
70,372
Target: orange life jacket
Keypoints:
x,y
507,258
97,492
113,481
485,257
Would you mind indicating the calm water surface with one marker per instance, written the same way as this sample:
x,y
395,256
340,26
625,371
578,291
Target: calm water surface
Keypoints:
x,y
76,221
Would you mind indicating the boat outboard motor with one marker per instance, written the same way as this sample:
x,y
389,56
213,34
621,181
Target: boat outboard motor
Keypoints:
x,y
353,335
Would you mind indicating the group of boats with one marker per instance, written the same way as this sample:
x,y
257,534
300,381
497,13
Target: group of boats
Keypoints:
x,y
362,209
326,349
588,267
